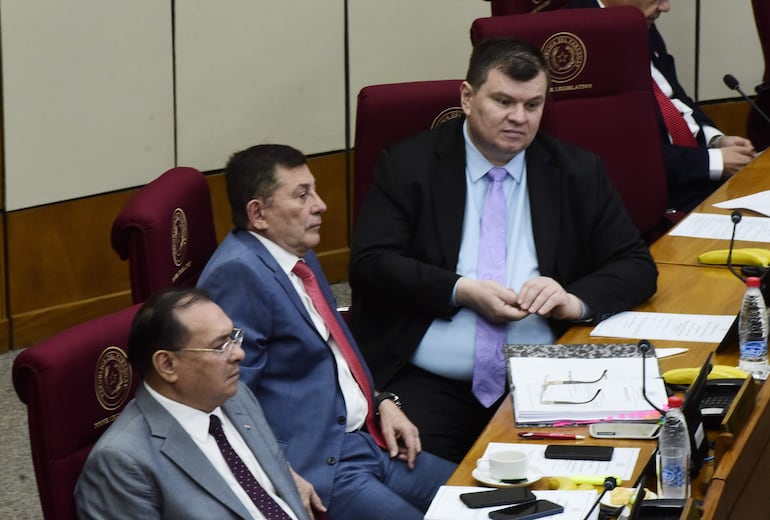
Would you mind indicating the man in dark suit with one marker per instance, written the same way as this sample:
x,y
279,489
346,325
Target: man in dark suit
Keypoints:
x,y
695,169
571,254
359,451
158,460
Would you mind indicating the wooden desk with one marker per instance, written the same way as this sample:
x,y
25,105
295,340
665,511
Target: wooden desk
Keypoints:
x,y
738,487
685,250
686,289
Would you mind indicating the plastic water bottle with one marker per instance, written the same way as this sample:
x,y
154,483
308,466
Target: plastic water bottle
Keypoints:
x,y
674,453
752,331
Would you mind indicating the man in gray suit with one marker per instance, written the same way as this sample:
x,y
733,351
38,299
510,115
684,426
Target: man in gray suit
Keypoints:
x,y
159,459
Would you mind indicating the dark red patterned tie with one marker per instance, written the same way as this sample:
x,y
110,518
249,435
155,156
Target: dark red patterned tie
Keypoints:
x,y
354,362
264,502
675,123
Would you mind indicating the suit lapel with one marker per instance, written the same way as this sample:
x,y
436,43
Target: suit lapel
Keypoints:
x,y
281,278
177,445
544,181
253,431
447,182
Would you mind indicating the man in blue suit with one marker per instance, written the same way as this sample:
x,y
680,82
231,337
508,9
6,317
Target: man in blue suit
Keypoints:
x,y
694,170
359,451
158,460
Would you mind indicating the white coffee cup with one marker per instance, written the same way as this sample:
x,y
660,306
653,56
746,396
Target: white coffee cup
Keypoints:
x,y
504,464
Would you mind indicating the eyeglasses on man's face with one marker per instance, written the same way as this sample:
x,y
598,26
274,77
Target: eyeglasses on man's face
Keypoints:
x,y
235,339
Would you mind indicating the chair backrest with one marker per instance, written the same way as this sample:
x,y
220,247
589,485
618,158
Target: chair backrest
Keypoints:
x,y
166,231
504,7
388,113
601,95
757,128
74,385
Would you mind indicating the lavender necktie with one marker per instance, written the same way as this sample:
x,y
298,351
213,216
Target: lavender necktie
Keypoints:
x,y
489,365
264,502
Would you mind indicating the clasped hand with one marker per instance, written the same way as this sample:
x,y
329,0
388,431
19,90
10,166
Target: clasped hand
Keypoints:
x,y
542,296
737,152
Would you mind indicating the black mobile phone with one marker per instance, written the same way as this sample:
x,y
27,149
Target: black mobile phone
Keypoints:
x,y
497,497
529,511
578,452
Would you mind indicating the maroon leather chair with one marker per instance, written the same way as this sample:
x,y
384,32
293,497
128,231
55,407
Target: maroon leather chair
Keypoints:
x,y
757,128
505,7
166,231
74,385
601,96
388,113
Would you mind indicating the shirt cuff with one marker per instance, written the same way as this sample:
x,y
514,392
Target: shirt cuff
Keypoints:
x,y
709,133
716,164
585,315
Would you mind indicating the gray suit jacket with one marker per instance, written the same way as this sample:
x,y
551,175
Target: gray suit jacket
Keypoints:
x,y
147,466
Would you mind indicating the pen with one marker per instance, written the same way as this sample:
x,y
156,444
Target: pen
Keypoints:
x,y
545,435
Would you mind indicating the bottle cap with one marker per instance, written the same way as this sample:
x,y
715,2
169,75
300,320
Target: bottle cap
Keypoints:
x,y
753,281
674,401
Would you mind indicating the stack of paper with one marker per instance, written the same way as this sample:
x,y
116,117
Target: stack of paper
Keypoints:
x,y
560,388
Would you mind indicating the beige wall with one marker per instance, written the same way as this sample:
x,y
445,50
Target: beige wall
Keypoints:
x,y
100,97
727,43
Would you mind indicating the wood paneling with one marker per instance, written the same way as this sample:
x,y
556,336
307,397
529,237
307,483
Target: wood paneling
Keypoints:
x,y
61,266
729,116
62,269
5,340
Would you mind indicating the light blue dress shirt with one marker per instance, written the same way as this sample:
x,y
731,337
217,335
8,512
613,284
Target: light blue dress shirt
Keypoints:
x,y
448,347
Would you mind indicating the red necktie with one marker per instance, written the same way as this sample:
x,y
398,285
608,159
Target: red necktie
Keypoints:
x,y
354,362
261,498
675,123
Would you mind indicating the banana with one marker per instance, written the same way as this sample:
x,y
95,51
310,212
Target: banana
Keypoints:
x,y
685,376
561,483
741,256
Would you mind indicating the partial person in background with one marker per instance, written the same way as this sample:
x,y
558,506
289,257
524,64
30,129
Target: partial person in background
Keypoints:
x,y
194,442
358,449
697,155
481,232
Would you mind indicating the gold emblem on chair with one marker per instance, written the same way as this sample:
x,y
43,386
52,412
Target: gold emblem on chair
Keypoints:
x,y
179,236
566,56
112,378
447,114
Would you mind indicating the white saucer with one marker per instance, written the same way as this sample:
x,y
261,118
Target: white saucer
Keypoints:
x,y
533,475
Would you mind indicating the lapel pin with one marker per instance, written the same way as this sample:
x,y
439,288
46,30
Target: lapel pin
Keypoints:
x,y
248,427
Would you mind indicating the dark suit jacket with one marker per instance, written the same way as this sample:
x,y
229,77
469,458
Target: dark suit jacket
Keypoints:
x,y
407,240
687,168
147,466
288,365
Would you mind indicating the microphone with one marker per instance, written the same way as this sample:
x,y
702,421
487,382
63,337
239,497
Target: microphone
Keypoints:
x,y
736,217
644,348
609,484
732,83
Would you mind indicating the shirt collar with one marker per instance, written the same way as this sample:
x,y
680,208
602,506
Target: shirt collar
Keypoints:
x,y
478,165
285,259
195,422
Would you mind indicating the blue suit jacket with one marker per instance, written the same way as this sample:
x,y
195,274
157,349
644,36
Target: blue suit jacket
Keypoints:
x,y
147,466
288,365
